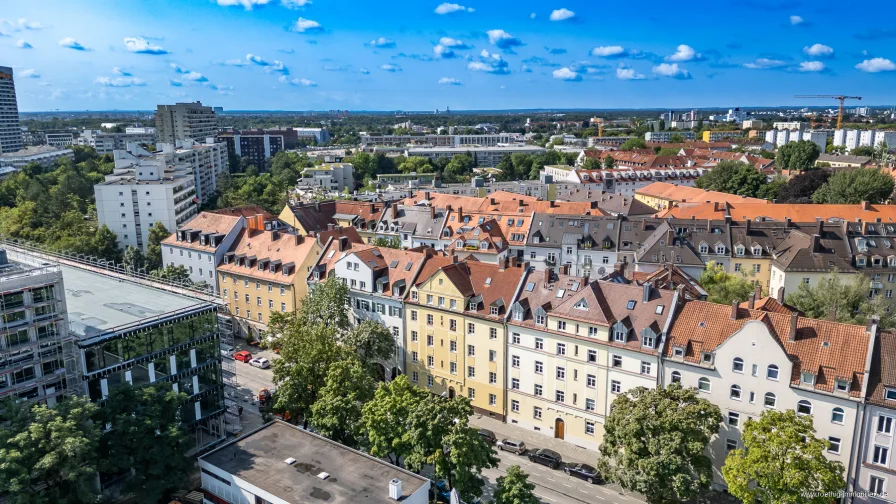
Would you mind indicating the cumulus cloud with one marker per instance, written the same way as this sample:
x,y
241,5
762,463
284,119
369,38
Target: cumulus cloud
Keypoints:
x,y
269,66
389,67
875,65
533,15
491,63
628,74
303,25
567,75
614,51
448,8
765,63
247,4
562,15
382,43
503,39
140,45
671,70
71,43
555,50
446,46
298,82
175,83
120,82
20,24
121,72
28,73
795,20
295,4
363,71
819,50
453,43
683,53
812,66
449,81
21,44
234,62
189,74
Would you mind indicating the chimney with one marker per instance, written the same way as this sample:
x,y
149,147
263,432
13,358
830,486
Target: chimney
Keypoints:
x,y
787,222
816,243
734,310
432,212
547,275
780,295
865,227
395,489
394,211
751,301
492,201
747,226
643,224
451,252
819,226
460,215
453,259
552,203
275,235
619,267
513,262
331,227
564,269
426,195
794,317
343,243
299,239
715,206
646,292
865,205
872,324
758,292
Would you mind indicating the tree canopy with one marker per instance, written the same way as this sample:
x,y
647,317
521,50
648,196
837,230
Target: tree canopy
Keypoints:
x,y
797,156
514,488
724,287
842,298
336,413
655,441
734,177
855,186
800,188
632,144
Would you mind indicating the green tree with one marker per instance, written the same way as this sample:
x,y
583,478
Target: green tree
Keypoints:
x,y
105,244
393,243
772,189
733,177
365,166
799,189
842,298
609,162
157,233
172,273
336,413
782,462
371,340
677,138
506,168
133,258
633,143
855,186
48,454
514,488
655,442
797,156
863,150
384,419
458,169
668,151
325,304
416,164
724,287
147,438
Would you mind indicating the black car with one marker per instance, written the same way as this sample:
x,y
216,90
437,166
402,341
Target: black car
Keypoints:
x,y
546,457
488,436
583,472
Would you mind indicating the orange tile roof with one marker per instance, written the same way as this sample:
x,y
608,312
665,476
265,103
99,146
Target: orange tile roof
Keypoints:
x,y
488,231
245,211
514,232
674,192
781,211
262,245
831,350
505,203
205,222
883,370
380,258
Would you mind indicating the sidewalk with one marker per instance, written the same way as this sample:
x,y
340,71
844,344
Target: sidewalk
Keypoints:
x,y
568,451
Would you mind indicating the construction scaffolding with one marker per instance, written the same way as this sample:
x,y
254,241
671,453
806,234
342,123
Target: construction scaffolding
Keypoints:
x,y
232,423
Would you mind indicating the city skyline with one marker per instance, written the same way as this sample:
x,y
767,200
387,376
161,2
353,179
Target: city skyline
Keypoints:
x,y
304,55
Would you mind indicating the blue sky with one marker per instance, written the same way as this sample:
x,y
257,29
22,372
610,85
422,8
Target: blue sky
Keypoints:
x,y
423,54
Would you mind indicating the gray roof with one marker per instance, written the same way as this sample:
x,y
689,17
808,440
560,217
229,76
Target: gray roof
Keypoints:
x,y
553,230
842,158
802,251
416,220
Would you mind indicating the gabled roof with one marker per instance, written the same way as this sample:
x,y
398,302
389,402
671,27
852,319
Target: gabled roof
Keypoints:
x,y
831,350
552,229
270,246
205,223
782,211
489,284
806,250
883,370
310,217
488,232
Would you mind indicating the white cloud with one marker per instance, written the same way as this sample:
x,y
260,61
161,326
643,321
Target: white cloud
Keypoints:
x,y
567,75
562,14
533,15
818,50
448,8
120,81
21,44
298,82
71,43
142,46
454,43
765,63
381,42
628,74
119,71
449,81
489,63
503,39
608,51
269,66
446,46
364,71
247,4
21,24
235,62
684,53
195,76
671,70
295,4
28,73
875,65
812,66
795,20
389,67
303,25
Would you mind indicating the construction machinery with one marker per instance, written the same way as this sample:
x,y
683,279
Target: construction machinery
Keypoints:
x,y
834,97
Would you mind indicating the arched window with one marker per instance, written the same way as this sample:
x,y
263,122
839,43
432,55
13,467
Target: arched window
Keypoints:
x,y
770,400
676,377
738,366
704,385
735,392
804,407
838,416
772,372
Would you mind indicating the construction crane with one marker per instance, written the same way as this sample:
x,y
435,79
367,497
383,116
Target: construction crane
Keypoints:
x,y
834,97
600,125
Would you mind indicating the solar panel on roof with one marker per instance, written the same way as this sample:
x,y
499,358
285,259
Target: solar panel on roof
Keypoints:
x,y
393,264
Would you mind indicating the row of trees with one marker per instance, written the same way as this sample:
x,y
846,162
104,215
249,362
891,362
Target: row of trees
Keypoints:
x,y
53,455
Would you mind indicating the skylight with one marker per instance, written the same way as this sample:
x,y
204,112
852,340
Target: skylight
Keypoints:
x,y
530,286
631,304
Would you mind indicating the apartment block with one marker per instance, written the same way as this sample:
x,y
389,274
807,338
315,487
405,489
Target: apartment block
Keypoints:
x,y
200,244
183,121
666,136
106,142
10,132
329,177
482,156
256,145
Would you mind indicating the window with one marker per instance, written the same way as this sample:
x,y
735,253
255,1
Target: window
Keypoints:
x,y
429,299
429,319
492,377
737,267
772,372
645,368
833,444
804,407
560,396
430,361
515,361
735,392
413,315
704,385
589,404
616,360
414,377
755,370
536,412
589,427
471,393
452,346
647,341
677,352
441,301
452,366
539,344
539,367
471,372
515,383
592,332
283,307
619,334
615,387
430,340
514,406
561,325
561,373
843,386
733,418
837,416
539,390
471,351
592,355
561,349
884,424
676,377
730,444
880,455
492,400
876,485
738,365
471,328
770,400
429,381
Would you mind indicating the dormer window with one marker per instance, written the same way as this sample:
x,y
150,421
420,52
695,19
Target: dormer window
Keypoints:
x,y
890,394
707,358
739,250
757,251
648,341
493,310
518,314
720,249
807,378
677,352
841,386
473,306
860,261
704,248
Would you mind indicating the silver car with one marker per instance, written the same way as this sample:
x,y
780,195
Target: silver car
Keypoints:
x,y
512,446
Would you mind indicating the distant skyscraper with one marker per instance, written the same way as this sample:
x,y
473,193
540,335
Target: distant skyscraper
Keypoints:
x,y
181,121
10,131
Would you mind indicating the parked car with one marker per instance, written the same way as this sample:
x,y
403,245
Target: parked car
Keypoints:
x,y
227,351
260,362
488,436
242,356
583,472
512,446
546,457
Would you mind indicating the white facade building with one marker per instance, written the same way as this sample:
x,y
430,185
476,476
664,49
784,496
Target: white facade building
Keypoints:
x,y
666,136
863,138
181,121
10,132
200,244
105,142
329,176
43,155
